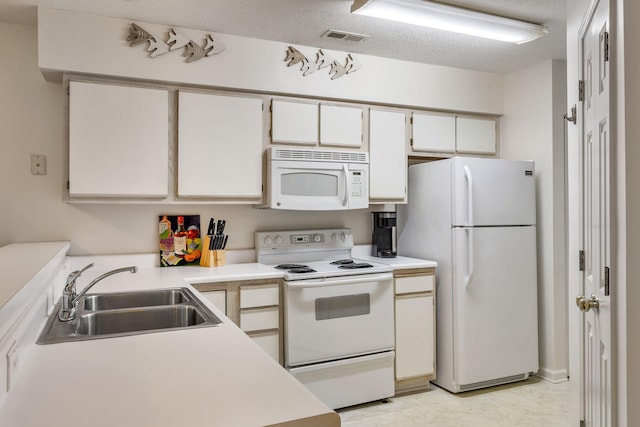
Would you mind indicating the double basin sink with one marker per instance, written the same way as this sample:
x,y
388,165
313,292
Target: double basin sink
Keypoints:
x,y
110,315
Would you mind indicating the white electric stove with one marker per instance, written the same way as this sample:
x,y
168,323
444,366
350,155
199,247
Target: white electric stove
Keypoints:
x,y
338,312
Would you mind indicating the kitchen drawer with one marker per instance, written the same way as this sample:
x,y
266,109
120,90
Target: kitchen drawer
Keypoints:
x,y
260,319
259,296
411,284
270,343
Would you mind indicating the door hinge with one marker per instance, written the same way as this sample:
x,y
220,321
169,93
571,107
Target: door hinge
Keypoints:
x,y
606,281
583,423
67,184
581,260
606,46
580,90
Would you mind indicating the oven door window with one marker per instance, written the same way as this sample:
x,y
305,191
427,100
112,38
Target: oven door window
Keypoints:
x,y
309,183
342,306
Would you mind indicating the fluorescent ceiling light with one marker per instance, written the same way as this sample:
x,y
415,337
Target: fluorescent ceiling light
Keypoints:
x,y
450,18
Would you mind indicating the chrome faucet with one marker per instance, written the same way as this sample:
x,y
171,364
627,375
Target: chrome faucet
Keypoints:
x,y
69,307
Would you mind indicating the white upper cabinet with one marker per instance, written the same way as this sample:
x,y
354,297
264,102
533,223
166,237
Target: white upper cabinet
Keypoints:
x,y
448,133
311,123
476,135
219,146
118,141
294,122
433,133
340,126
387,156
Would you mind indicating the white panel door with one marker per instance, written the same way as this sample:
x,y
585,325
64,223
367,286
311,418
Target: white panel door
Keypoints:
x,y
118,141
495,321
475,135
294,122
493,192
387,155
433,132
219,146
340,126
595,301
415,334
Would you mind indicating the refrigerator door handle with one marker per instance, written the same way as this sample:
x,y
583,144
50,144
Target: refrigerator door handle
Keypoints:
x,y
469,276
469,178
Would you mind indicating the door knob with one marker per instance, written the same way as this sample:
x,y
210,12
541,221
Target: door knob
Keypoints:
x,y
585,304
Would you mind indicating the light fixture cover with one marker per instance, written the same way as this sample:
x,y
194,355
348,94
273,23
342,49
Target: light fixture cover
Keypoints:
x,y
449,18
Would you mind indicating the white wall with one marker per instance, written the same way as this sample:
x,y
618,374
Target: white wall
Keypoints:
x,y
532,129
94,44
627,95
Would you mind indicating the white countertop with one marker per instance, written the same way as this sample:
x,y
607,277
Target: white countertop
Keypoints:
x,y
397,263
214,376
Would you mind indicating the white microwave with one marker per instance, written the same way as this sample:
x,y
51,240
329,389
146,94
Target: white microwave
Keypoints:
x,y
316,180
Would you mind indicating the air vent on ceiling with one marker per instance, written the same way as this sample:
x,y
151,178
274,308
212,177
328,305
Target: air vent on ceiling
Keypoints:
x,y
345,35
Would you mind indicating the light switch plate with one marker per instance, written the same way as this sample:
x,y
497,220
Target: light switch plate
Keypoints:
x,y
12,364
38,164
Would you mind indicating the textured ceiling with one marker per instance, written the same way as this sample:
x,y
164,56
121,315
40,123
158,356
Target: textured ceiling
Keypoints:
x,y
302,22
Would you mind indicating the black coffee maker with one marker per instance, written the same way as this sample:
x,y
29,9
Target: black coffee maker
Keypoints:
x,y
383,240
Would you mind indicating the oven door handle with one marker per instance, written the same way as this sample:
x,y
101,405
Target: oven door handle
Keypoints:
x,y
341,281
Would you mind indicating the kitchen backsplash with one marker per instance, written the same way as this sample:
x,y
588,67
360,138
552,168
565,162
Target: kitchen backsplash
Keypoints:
x,y
118,229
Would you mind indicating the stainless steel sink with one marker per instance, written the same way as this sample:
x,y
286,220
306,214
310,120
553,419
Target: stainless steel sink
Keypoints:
x,y
111,322
129,313
113,301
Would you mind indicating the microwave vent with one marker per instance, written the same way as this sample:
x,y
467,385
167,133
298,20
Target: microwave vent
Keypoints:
x,y
320,155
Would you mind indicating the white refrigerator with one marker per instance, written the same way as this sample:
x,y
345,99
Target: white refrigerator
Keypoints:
x,y
476,217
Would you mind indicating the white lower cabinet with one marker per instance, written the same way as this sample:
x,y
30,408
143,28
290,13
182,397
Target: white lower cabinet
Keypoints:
x,y
253,305
415,328
217,298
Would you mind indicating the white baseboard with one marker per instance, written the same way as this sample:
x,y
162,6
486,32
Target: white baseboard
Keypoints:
x,y
553,375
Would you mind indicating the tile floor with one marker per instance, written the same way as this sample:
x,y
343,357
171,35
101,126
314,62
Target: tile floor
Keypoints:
x,y
531,403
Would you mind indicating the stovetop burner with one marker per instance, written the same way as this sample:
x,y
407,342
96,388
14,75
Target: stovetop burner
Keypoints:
x,y
342,261
291,266
303,269
354,265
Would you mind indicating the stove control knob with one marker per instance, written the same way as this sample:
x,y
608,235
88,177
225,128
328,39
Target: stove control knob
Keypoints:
x,y
343,236
268,240
278,240
317,238
334,237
